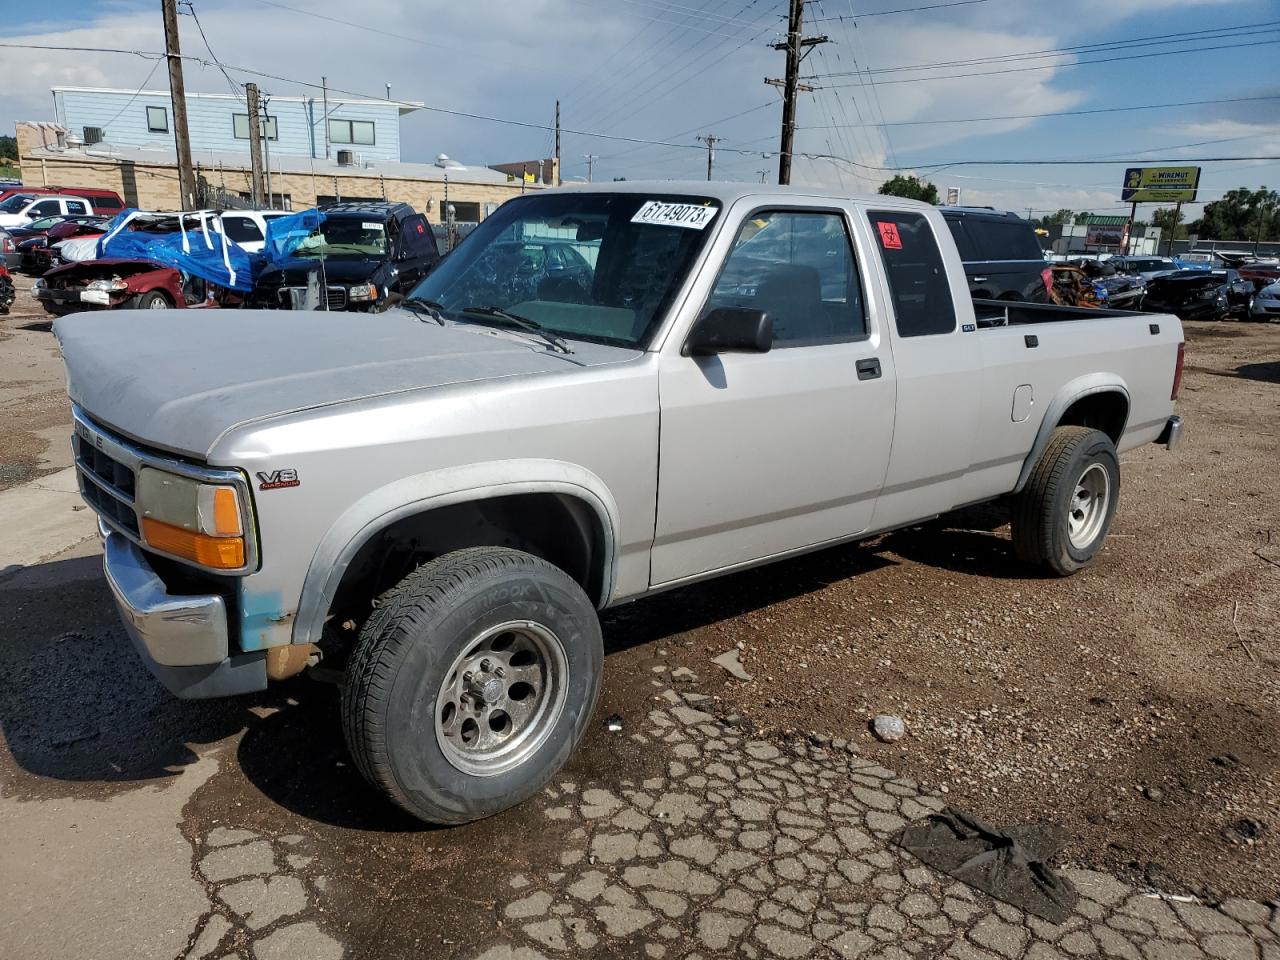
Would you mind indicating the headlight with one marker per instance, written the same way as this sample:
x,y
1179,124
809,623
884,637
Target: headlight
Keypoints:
x,y
115,283
200,522
363,291
38,285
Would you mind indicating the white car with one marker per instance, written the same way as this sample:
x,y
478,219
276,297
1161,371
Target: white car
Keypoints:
x,y
248,228
1266,304
21,208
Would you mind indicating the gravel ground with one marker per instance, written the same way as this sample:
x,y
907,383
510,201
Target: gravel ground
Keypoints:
x,y
1135,703
34,412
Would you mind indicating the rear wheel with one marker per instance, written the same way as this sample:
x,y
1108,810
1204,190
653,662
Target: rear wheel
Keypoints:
x,y
471,683
1061,518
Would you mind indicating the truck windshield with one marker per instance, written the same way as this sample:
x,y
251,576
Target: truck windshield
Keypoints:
x,y
15,203
345,238
590,266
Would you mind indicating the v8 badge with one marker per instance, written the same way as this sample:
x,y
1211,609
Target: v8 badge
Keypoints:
x,y
277,479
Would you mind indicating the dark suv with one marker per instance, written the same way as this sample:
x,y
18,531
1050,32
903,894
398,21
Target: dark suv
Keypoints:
x,y
1002,257
368,254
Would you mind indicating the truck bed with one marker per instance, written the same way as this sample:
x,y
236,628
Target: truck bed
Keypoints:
x,y
1007,313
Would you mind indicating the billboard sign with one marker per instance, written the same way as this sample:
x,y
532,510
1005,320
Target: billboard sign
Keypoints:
x,y
1105,234
1160,184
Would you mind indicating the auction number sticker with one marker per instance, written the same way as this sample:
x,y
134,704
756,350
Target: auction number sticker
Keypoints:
x,y
693,216
889,238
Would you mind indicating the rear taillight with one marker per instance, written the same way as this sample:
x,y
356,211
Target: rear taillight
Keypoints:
x,y
1177,371
1047,276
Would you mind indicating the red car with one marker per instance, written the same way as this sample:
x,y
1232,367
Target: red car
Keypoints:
x,y
7,292
1262,272
110,283
105,202
35,246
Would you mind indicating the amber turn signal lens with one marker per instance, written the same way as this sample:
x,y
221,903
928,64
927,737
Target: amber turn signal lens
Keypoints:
x,y
219,553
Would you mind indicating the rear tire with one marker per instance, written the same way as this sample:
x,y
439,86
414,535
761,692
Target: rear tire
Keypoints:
x,y
472,683
1061,517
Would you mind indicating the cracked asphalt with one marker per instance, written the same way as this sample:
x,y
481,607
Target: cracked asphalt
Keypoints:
x,y
133,825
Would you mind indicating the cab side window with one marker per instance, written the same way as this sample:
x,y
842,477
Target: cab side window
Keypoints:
x,y
917,277
798,267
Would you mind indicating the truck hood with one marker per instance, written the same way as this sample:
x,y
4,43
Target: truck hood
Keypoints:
x,y
179,379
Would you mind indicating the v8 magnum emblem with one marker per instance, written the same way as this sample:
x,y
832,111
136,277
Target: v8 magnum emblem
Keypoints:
x,y
277,479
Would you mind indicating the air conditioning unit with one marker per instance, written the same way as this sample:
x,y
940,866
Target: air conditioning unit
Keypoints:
x,y
92,135
346,158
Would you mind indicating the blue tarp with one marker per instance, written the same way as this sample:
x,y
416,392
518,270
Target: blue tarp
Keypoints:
x,y
285,235
208,255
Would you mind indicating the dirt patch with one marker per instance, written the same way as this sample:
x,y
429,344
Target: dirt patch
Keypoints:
x,y
1137,703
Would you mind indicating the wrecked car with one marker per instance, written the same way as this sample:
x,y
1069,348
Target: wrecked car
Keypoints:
x,y
1198,294
351,256
105,284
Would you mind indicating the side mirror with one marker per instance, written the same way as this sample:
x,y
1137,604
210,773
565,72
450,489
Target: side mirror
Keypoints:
x,y
730,330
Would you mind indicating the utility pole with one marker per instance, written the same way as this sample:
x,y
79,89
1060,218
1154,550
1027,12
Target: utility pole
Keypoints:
x,y
178,97
265,107
797,47
763,175
255,144
557,170
710,140
324,88
1173,227
590,158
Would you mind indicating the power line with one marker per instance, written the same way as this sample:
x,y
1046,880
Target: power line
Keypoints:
x,y
1106,46
358,26
235,88
1076,63
1060,113
887,13
641,140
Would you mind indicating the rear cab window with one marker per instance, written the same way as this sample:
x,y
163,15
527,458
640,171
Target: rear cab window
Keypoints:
x,y
918,285
1006,239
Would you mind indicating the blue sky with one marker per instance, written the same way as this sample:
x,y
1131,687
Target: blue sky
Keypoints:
x,y
673,69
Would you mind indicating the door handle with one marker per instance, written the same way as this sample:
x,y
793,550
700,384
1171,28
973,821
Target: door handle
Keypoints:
x,y
978,279
868,369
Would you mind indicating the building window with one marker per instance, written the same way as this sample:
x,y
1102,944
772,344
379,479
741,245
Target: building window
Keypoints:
x,y
157,119
240,126
358,132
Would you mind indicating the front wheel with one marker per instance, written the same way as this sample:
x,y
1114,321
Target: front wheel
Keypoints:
x,y
1062,516
472,683
152,300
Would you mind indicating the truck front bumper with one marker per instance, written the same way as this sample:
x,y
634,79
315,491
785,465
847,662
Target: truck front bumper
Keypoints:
x,y
183,640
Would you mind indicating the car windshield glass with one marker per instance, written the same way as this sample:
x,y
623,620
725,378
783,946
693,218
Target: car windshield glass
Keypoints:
x,y
44,224
345,238
15,203
591,266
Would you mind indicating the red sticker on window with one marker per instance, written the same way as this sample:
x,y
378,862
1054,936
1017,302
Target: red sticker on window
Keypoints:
x,y
889,238
419,228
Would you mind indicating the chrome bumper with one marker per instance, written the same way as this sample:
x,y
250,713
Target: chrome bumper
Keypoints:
x,y
1171,433
183,640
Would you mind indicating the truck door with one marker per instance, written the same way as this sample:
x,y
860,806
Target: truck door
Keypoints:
x,y
937,363
765,453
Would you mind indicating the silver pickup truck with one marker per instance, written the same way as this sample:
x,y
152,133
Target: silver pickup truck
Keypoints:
x,y
604,393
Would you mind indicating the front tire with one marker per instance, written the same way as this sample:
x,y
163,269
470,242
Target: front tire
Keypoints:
x,y
1061,518
152,300
472,683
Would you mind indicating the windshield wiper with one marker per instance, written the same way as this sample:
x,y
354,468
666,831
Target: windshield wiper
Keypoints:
x,y
524,323
430,309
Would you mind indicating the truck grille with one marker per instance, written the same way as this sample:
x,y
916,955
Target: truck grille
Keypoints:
x,y
107,484
335,297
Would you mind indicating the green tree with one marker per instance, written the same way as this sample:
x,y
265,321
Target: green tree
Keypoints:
x,y
913,188
1053,219
1163,218
8,148
1240,215
1083,217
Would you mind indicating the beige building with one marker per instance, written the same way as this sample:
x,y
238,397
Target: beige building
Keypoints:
x,y
148,179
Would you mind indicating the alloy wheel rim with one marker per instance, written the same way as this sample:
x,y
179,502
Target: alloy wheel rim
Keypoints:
x,y
501,698
1087,511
